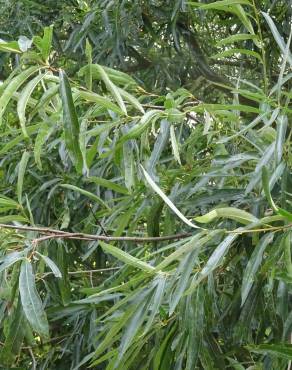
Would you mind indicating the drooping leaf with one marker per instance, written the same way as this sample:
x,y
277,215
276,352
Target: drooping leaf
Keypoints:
x,y
253,265
51,264
88,194
14,84
238,215
23,100
127,258
278,350
21,173
167,200
31,302
112,88
71,124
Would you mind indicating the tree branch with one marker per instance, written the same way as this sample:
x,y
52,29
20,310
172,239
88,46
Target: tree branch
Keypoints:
x,y
56,234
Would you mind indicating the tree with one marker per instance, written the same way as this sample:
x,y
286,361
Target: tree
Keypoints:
x,y
146,228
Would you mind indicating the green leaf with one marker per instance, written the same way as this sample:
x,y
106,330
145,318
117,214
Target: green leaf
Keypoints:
x,y
167,200
31,302
12,87
42,136
235,38
214,261
91,196
21,172
83,143
278,350
8,203
196,241
9,47
136,131
108,184
174,145
282,123
133,327
14,338
112,88
222,4
131,99
230,52
266,187
118,77
126,257
44,43
10,259
71,124
100,100
253,266
238,215
51,264
13,218
23,100
156,301
277,37
88,76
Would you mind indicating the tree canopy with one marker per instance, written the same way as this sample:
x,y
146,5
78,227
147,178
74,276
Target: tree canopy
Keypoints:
x,y
145,176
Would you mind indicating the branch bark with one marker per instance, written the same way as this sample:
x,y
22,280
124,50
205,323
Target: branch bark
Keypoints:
x,y
58,234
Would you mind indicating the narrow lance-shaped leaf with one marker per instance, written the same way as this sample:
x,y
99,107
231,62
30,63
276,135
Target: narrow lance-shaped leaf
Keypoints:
x,y
14,337
23,100
174,145
266,187
131,99
31,302
86,193
253,265
277,37
100,100
127,258
282,123
214,261
12,87
21,172
88,76
167,200
9,47
222,4
82,144
238,215
278,350
10,259
112,88
43,134
156,301
51,264
71,124
108,184
133,327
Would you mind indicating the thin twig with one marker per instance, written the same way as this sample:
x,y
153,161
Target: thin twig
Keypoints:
x,y
55,234
32,358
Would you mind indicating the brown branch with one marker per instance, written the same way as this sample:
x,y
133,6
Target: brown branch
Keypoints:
x,y
55,234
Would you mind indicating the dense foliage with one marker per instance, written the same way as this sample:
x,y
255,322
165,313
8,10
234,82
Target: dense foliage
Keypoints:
x,y
145,200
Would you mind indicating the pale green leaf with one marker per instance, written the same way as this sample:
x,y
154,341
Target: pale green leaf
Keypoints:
x,y
31,302
23,100
238,215
126,257
21,172
167,200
